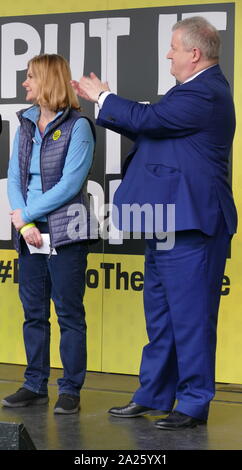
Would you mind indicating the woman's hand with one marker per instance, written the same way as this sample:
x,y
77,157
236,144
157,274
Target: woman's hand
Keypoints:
x,y
33,237
16,217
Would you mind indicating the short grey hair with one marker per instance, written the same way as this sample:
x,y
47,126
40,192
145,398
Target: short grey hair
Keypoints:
x,y
201,34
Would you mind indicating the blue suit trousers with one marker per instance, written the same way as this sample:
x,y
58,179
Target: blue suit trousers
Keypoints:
x,y
181,299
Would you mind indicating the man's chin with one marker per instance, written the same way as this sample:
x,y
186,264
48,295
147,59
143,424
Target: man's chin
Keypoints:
x,y
172,72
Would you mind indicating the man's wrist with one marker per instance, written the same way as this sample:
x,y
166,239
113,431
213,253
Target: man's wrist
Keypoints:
x,y
101,97
100,94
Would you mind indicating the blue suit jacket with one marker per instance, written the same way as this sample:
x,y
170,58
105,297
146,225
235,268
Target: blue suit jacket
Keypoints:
x,y
181,151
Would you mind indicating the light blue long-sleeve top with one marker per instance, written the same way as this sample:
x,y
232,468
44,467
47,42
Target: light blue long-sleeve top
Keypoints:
x,y
77,165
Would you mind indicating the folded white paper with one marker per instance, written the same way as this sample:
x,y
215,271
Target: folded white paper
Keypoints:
x,y
45,247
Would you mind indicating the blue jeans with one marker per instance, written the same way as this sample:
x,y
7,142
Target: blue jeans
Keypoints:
x,y
62,278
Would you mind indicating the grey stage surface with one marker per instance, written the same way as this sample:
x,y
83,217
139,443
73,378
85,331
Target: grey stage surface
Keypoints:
x,y
94,429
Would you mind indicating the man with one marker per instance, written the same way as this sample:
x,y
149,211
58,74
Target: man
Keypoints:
x,y
180,157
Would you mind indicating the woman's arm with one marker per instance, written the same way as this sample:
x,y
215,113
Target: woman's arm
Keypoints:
x,y
15,195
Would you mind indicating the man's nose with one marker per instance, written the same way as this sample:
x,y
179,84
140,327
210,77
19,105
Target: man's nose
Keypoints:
x,y
169,54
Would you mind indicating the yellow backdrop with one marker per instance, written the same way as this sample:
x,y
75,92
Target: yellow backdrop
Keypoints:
x,y
109,311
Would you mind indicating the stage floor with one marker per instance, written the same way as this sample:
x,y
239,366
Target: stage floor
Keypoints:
x,y
94,429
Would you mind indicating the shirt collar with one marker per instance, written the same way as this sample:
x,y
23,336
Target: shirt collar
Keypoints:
x,y
198,73
33,113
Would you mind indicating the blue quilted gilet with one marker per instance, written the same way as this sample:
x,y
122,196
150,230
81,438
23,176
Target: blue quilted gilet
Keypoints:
x,y
52,160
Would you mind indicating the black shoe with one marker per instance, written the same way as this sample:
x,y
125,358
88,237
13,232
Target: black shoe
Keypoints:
x,y
67,404
132,410
177,420
24,397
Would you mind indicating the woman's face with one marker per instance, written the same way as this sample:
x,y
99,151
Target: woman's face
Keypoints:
x,y
31,86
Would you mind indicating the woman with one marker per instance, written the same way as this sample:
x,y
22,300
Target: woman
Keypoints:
x,y
52,156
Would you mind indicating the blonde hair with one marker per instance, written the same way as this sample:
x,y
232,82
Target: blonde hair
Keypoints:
x,y
53,76
198,32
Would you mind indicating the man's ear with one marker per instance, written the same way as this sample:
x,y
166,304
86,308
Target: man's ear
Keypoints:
x,y
196,54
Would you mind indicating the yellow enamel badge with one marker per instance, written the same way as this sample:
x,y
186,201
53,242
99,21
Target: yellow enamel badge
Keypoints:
x,y
57,134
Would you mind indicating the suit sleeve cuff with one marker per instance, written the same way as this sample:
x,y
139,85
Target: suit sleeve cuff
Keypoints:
x,y
102,98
